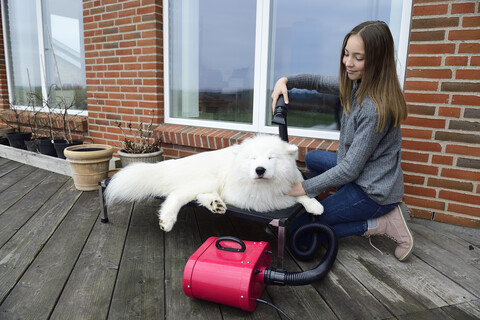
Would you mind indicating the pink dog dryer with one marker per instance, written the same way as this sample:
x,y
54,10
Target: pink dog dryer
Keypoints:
x,y
233,272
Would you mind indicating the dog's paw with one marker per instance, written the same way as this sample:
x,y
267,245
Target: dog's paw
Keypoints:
x,y
212,202
217,206
312,206
166,225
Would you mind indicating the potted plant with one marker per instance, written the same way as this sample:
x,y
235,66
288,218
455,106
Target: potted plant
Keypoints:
x,y
18,137
89,164
139,145
65,137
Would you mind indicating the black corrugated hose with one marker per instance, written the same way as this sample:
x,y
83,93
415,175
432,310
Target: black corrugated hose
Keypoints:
x,y
282,277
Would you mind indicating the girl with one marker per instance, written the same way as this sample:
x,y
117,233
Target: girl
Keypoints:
x,y
366,169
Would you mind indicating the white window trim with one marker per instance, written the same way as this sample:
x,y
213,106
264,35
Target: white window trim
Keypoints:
x,y
260,78
41,57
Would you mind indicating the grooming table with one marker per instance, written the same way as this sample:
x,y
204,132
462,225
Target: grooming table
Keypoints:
x,y
279,218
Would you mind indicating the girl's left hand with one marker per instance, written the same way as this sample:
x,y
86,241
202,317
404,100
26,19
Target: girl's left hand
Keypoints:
x,y
297,190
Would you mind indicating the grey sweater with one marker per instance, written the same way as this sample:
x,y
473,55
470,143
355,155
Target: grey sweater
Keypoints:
x,y
366,157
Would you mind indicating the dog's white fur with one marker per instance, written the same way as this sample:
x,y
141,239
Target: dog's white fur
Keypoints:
x,y
255,175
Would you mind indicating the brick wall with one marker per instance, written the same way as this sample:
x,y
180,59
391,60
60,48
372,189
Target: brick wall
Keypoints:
x,y
124,65
441,137
3,71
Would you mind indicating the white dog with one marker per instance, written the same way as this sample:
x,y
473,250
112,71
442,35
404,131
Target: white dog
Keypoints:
x,y
255,175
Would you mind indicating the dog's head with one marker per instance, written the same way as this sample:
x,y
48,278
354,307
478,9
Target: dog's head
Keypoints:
x,y
266,158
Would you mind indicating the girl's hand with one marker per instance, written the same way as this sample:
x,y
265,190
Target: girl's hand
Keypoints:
x,y
297,190
280,88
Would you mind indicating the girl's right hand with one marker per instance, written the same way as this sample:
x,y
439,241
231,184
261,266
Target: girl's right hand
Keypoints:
x,y
280,88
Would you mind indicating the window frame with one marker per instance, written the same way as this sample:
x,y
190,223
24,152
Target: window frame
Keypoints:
x,y
42,62
262,43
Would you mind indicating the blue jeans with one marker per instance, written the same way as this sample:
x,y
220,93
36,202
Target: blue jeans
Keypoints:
x,y
345,211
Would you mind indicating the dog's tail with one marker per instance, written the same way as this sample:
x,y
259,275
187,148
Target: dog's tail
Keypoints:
x,y
135,182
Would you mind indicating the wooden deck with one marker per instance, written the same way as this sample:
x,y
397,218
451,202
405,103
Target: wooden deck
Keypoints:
x,y
58,261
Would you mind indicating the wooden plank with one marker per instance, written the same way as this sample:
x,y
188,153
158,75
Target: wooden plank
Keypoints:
x,y
339,285
22,187
180,244
139,290
8,165
467,310
458,240
35,295
464,311
89,289
38,160
298,302
17,215
449,256
14,176
19,252
403,288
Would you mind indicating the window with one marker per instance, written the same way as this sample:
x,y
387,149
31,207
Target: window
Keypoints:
x,y
224,58
44,49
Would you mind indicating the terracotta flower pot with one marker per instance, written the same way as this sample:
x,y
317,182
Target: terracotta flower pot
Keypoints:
x,y
151,157
89,164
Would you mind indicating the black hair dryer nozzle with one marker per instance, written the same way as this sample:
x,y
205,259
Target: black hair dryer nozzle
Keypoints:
x,y
280,118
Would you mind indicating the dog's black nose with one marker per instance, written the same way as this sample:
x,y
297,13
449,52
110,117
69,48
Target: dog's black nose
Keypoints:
x,y
260,171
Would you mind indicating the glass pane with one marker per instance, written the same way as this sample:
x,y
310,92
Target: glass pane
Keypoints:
x,y
306,37
64,53
23,53
212,49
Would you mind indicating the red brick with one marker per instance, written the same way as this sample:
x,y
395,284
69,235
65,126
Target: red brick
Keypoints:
x,y
463,35
424,122
450,184
421,85
421,145
467,210
444,160
413,179
430,10
449,112
431,48
463,197
438,35
469,48
468,74
463,8
426,97
419,213
458,220
416,133
460,174
429,73
463,150
420,191
415,156
469,100
429,23
475,61
469,22
456,61
425,203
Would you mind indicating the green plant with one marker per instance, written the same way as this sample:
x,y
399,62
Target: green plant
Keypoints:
x,y
139,139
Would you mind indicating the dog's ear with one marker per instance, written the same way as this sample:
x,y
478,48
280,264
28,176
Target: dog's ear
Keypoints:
x,y
292,150
235,149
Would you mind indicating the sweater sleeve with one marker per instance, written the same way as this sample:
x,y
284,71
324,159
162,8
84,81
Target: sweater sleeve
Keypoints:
x,y
320,83
358,151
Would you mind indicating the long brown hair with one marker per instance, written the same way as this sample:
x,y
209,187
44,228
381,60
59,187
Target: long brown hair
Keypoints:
x,y
379,80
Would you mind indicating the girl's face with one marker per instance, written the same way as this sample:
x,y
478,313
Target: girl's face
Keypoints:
x,y
354,57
